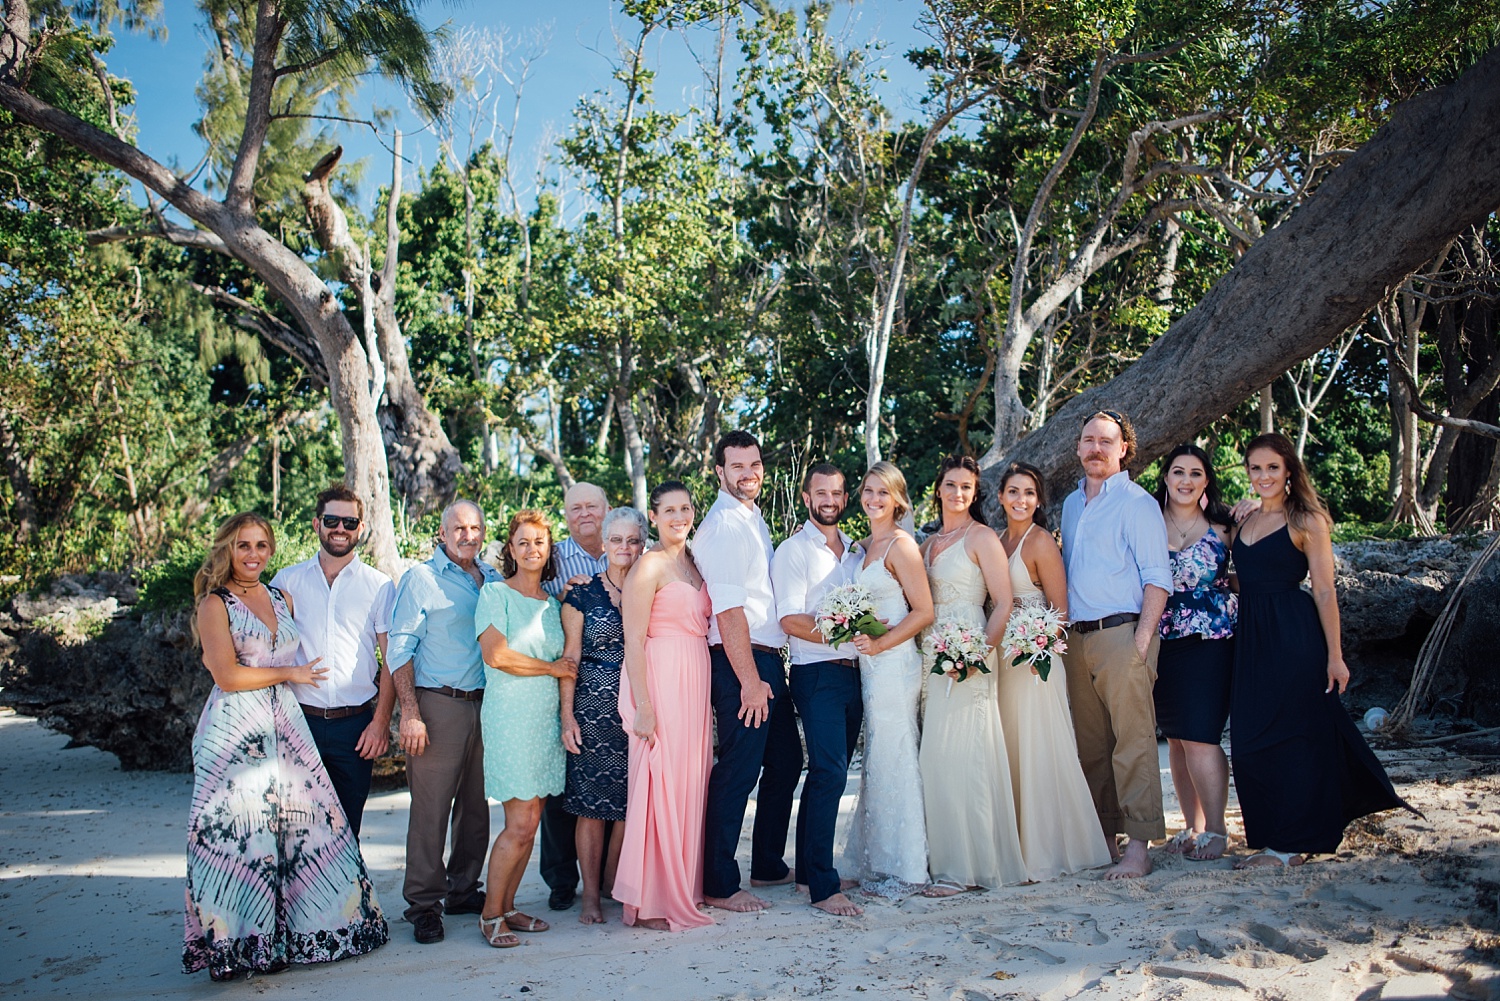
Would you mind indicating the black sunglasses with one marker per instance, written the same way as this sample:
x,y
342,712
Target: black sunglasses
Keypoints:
x,y
333,520
1118,418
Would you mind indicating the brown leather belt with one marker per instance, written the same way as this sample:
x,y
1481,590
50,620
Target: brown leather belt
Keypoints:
x,y
1108,622
337,712
477,695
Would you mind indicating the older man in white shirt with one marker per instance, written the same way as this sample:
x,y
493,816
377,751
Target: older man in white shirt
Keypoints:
x,y
340,605
824,680
756,722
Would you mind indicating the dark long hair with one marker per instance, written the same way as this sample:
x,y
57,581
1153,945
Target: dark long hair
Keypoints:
x,y
965,462
1216,510
1302,501
1039,516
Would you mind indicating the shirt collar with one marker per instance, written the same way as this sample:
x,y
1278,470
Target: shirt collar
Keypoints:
x,y
728,502
1123,476
815,533
441,562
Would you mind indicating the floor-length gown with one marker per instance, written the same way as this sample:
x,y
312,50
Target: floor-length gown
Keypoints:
x,y
972,836
1060,831
888,834
661,859
1301,769
274,874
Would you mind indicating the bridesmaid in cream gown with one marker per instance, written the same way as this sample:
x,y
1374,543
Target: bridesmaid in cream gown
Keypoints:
x,y
972,835
1060,831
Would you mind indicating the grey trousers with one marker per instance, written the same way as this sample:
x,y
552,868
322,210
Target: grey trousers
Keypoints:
x,y
446,780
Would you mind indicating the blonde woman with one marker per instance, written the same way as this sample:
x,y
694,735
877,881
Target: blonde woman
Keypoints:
x,y
274,874
888,837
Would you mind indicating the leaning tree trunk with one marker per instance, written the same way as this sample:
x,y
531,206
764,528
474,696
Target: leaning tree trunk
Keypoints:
x,y
1376,219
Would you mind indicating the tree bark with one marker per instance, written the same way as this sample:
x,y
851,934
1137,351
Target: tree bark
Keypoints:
x,y
1376,219
424,465
25,511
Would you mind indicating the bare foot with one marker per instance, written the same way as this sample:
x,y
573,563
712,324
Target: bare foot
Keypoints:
x,y
943,888
840,905
653,924
774,882
1181,842
591,913
1133,864
743,901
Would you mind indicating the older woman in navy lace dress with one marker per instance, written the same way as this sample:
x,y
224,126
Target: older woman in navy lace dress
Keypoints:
x,y
598,749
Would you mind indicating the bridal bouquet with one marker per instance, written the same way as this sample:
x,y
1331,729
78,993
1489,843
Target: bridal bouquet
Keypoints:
x,y
956,646
845,612
1033,633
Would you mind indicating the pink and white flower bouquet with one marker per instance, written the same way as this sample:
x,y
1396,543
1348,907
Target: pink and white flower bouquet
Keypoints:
x,y
1035,632
956,646
845,612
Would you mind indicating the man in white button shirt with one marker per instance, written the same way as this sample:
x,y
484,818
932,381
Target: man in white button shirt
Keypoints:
x,y
756,723
339,601
824,680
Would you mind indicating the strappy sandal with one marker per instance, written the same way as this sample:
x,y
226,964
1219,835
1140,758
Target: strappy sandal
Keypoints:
x,y
497,933
1196,852
1179,843
524,922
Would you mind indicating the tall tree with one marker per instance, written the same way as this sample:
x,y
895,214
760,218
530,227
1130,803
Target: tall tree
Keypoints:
x,y
289,38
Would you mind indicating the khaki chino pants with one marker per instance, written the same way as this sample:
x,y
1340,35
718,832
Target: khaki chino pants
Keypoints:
x,y
1114,721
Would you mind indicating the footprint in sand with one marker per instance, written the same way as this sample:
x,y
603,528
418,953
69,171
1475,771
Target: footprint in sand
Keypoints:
x,y
1186,943
1278,942
1009,950
1085,932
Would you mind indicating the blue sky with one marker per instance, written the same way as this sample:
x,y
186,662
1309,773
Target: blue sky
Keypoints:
x,y
580,36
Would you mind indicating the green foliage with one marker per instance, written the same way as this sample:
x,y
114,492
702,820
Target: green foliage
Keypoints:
x,y
166,585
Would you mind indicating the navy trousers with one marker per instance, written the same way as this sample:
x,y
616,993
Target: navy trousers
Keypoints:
x,y
559,862
769,754
350,774
828,701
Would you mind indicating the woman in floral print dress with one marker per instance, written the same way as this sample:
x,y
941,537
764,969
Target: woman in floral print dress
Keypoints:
x,y
1196,663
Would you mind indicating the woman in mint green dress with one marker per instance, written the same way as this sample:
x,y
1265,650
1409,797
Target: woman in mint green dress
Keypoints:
x,y
520,633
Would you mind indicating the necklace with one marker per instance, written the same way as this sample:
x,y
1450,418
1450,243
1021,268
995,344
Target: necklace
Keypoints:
x,y
964,527
1182,533
609,583
244,589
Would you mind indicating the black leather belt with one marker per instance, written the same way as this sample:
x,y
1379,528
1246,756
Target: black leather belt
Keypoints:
x,y
754,646
337,712
836,662
454,693
1108,622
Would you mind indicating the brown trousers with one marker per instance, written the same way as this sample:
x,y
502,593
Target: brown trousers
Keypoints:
x,y
446,780
1114,721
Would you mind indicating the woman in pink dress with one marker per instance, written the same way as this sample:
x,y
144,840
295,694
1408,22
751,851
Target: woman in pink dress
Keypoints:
x,y
665,709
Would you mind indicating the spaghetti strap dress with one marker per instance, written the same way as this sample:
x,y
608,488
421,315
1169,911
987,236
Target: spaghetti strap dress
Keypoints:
x,y
1301,769
661,858
274,873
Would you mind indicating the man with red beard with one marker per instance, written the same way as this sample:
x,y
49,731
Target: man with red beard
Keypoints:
x,y
341,605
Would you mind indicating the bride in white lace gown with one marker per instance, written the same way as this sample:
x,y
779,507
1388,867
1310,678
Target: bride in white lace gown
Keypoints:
x,y
1060,831
887,846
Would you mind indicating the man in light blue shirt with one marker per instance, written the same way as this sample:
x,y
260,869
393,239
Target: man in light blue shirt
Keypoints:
x,y
439,678
1119,576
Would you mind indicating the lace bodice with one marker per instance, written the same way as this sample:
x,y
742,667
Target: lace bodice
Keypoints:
x,y
957,583
890,599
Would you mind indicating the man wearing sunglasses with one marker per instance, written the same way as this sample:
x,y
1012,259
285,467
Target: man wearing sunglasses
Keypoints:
x,y
342,607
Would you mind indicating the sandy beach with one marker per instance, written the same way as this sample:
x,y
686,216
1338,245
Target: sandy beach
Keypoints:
x,y
91,883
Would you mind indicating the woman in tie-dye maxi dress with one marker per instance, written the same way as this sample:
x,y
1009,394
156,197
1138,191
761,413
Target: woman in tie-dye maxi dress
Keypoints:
x,y
274,874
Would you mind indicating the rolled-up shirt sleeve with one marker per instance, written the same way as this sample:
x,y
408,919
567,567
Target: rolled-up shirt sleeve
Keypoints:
x,y
789,580
1146,535
721,561
408,620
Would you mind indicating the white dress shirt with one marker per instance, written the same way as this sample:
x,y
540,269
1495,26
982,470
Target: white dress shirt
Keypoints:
x,y
802,571
339,624
732,548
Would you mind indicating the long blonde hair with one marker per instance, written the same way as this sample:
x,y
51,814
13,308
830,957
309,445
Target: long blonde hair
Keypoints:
x,y
217,565
893,480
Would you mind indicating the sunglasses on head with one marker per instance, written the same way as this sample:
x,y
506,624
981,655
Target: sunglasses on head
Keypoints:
x,y
1118,418
333,521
